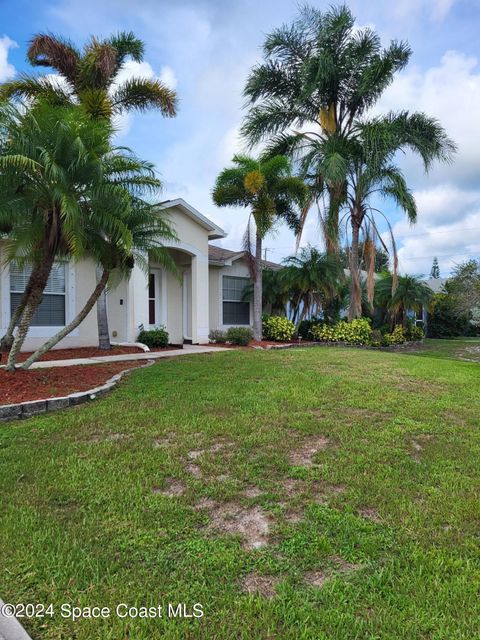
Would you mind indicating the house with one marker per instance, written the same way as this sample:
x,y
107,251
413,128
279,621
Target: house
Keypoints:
x,y
207,294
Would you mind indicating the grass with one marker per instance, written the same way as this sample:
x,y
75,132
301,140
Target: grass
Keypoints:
x,y
388,516
457,348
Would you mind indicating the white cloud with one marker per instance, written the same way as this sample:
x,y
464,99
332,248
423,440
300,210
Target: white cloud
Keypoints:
x,y
7,70
168,77
453,238
436,10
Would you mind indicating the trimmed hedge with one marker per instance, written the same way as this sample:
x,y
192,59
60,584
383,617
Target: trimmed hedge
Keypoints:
x,y
357,331
154,338
240,335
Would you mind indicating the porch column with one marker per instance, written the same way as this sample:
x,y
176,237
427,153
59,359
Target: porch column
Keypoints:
x,y
200,319
137,302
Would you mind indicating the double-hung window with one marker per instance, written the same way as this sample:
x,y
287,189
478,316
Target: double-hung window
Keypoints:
x,y
51,311
236,310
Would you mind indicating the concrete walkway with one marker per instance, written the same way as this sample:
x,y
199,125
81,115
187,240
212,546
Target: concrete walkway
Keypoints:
x,y
187,350
10,628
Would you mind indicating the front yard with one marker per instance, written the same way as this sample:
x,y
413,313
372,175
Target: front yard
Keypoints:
x,y
303,494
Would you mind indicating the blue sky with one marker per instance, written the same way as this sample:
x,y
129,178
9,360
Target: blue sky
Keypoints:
x,y
204,48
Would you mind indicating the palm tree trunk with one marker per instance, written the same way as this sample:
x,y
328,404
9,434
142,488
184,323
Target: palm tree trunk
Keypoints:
x,y
257,290
39,280
96,295
102,316
6,341
355,309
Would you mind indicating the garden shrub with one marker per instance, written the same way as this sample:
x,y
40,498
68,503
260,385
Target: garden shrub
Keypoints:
x,y
415,333
397,336
376,340
218,336
358,331
305,327
240,335
154,338
277,328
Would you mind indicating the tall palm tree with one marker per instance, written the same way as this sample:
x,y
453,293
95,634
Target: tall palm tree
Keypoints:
x,y
372,172
311,276
91,78
319,75
58,176
147,229
411,294
271,192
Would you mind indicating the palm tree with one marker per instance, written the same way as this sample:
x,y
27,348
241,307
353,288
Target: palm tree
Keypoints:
x,y
148,229
91,78
275,293
411,294
58,176
373,172
311,277
269,190
318,77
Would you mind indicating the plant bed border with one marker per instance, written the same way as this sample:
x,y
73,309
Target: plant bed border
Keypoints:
x,y
35,407
392,347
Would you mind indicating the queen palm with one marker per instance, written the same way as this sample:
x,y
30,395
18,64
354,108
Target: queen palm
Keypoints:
x,y
91,78
58,177
271,192
318,77
373,173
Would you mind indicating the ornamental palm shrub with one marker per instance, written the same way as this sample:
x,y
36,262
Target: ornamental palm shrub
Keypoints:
x,y
277,328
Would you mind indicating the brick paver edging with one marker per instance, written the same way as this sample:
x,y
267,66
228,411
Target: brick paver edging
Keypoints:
x,y
35,407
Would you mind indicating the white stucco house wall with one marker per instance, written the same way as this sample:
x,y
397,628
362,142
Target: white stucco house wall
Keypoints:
x,y
207,295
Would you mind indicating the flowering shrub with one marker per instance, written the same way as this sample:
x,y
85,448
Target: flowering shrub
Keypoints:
x,y
277,328
357,331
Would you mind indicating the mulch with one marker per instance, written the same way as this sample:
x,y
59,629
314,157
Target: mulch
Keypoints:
x,y
37,384
85,352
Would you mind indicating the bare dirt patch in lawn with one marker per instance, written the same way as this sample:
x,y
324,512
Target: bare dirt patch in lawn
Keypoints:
x,y
222,445
370,514
173,489
252,524
194,470
304,454
108,437
252,492
255,583
318,577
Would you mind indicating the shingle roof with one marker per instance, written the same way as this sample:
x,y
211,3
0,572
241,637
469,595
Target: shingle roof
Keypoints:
x,y
219,255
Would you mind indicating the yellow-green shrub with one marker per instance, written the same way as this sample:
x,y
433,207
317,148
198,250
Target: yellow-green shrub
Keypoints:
x,y
397,336
277,328
357,331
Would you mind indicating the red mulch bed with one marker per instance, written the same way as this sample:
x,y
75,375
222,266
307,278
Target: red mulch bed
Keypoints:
x,y
86,352
37,384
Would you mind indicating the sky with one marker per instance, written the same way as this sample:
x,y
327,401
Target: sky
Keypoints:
x,y
205,48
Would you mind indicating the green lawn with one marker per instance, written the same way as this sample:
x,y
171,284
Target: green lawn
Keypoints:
x,y
356,471
467,349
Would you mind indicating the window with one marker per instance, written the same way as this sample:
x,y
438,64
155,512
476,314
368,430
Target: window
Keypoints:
x,y
51,311
235,310
151,298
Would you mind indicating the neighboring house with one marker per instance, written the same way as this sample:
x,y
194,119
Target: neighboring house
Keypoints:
x,y
208,294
